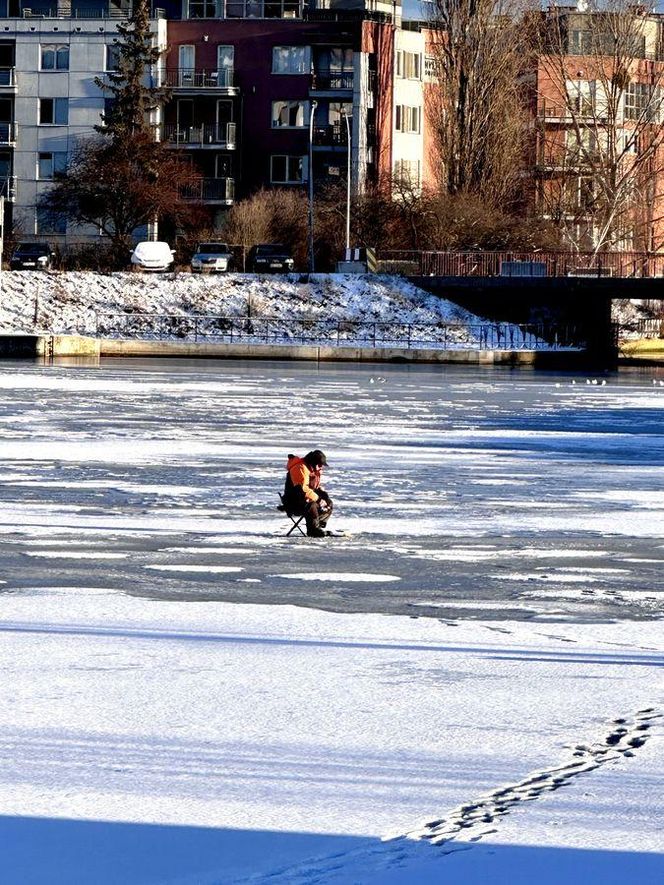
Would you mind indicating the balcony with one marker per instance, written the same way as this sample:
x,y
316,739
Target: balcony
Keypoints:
x,y
7,134
201,135
333,136
7,79
8,188
210,190
330,81
183,80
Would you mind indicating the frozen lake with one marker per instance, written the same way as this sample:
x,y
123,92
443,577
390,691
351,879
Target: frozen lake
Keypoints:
x,y
467,493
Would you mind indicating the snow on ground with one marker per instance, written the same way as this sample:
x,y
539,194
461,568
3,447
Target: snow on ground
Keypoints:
x,y
468,689
91,303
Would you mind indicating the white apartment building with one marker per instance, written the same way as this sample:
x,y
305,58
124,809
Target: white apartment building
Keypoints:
x,y
48,102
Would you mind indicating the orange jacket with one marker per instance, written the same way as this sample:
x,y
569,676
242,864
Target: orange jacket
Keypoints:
x,y
302,475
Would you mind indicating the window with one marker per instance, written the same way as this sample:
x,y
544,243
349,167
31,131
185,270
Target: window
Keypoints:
x,y
291,60
203,9
407,119
112,61
53,111
642,102
55,58
47,223
287,169
407,173
409,65
581,96
288,114
50,163
225,65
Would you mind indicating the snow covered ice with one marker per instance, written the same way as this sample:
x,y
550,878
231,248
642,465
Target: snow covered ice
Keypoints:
x,y
466,689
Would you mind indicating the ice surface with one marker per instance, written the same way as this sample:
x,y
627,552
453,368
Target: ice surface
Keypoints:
x,y
475,673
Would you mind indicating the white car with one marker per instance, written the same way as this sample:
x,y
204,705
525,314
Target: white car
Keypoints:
x,y
211,257
152,255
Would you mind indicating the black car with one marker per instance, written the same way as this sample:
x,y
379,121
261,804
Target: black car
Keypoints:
x,y
270,258
32,256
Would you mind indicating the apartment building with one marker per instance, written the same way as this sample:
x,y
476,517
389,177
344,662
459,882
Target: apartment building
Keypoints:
x,y
597,101
49,58
264,93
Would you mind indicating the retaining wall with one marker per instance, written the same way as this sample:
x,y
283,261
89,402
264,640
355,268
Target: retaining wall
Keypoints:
x,y
55,346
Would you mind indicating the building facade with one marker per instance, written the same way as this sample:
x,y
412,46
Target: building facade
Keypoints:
x,y
263,93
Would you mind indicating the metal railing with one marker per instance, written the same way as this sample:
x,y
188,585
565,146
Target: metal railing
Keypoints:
x,y
7,77
558,264
7,133
332,81
199,78
342,333
200,134
211,190
330,136
103,11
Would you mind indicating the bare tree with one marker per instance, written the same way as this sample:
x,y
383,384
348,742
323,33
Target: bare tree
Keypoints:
x,y
600,113
119,187
481,51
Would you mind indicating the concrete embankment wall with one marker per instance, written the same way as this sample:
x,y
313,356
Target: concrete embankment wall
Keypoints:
x,y
56,346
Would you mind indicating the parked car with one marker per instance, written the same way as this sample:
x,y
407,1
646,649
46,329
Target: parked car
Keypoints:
x,y
153,255
32,256
270,258
211,257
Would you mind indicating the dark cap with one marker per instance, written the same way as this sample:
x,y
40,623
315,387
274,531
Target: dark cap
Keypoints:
x,y
316,457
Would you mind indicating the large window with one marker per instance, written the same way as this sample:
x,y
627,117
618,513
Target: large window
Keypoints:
x,y
643,102
53,111
407,173
48,163
408,119
409,65
287,169
54,58
288,114
291,60
203,9
581,95
49,224
112,59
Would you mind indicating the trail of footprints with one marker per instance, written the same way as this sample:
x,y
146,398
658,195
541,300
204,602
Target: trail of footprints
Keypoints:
x,y
474,820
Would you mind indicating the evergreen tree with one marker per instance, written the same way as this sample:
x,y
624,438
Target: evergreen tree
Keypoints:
x,y
132,101
125,178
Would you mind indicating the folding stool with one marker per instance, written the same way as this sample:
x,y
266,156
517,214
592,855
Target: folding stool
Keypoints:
x,y
294,518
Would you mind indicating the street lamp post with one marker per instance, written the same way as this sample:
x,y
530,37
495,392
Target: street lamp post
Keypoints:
x,y
314,105
348,181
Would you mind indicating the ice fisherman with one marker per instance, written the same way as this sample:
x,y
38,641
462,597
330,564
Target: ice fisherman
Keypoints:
x,y
304,494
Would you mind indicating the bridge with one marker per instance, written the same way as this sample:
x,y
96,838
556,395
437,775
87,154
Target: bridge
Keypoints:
x,y
528,288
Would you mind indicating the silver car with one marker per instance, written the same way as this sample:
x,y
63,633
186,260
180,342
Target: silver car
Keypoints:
x,y
211,258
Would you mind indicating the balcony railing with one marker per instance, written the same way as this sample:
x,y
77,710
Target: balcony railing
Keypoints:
x,y
210,190
329,81
192,78
330,136
7,77
102,11
264,8
201,134
7,133
8,188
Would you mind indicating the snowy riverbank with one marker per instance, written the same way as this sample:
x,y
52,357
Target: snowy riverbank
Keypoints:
x,y
71,302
